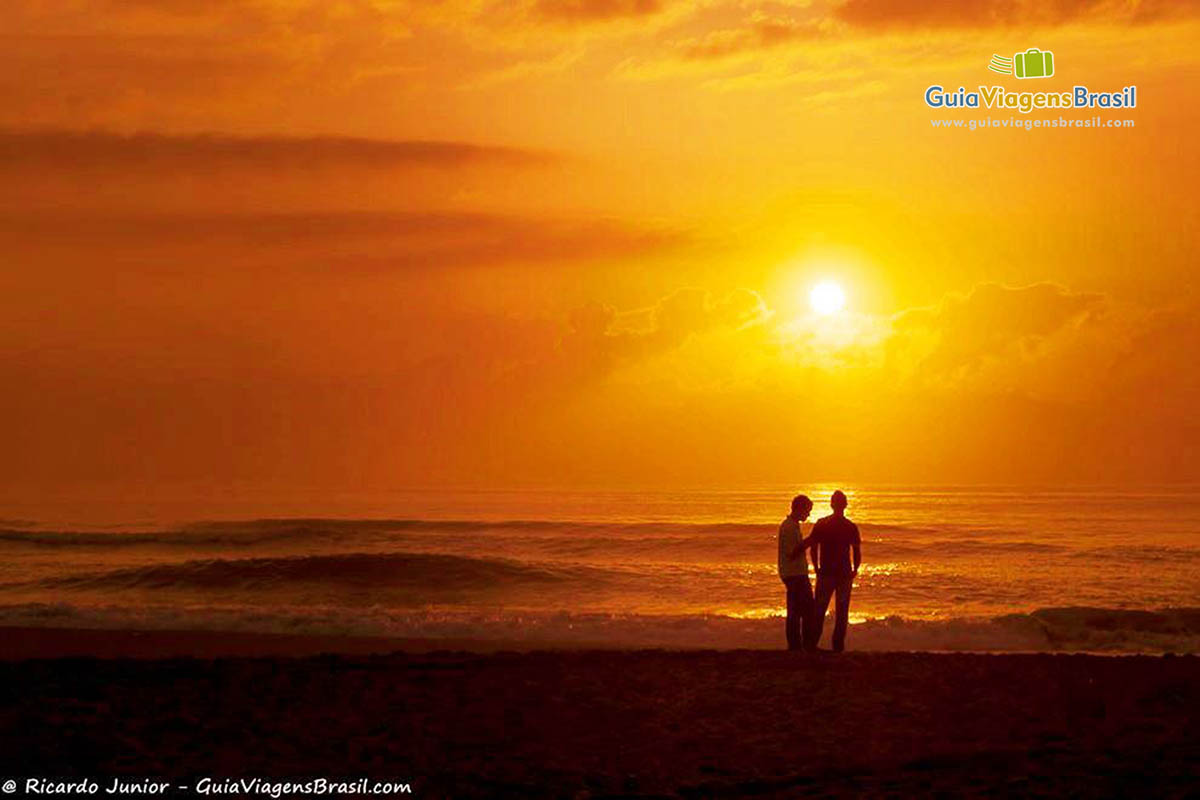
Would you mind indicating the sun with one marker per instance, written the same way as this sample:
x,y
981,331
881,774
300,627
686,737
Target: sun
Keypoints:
x,y
827,298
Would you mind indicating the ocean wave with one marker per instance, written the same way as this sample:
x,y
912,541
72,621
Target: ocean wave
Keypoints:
x,y
1157,553
1047,629
1098,630
707,541
262,530
595,542
360,571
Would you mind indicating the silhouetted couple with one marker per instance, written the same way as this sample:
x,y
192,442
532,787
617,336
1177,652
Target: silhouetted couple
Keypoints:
x,y
836,554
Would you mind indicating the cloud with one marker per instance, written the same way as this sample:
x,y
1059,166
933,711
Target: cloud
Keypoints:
x,y
762,33
354,241
186,64
1159,355
882,14
600,336
582,11
411,382
991,323
258,64
66,150
126,180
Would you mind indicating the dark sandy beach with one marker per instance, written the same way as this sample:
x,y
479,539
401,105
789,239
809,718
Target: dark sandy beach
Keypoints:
x,y
600,723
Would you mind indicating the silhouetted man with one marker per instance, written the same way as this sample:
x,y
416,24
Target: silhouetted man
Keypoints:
x,y
793,571
833,539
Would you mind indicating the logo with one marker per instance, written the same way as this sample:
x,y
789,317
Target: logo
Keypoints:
x,y
1033,63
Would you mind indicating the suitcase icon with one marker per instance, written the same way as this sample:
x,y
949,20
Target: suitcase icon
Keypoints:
x,y
1034,63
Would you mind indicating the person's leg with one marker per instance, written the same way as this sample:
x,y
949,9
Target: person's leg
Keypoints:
x,y
806,613
825,588
841,611
792,623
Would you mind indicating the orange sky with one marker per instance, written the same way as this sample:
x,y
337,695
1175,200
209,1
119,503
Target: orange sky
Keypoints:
x,y
335,245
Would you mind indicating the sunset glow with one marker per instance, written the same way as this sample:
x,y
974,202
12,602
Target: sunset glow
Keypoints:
x,y
827,298
309,246
600,398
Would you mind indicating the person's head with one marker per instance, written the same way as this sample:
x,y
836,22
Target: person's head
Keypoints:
x,y
801,505
838,501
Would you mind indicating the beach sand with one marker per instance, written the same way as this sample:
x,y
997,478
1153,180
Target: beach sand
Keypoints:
x,y
597,723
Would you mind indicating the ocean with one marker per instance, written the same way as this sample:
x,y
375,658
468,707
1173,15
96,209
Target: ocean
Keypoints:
x,y
945,568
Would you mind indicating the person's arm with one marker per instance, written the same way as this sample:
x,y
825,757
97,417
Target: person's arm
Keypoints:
x,y
857,550
812,543
796,548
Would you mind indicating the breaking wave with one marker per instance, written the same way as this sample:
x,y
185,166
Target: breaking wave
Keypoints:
x,y
360,570
681,583
1098,630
